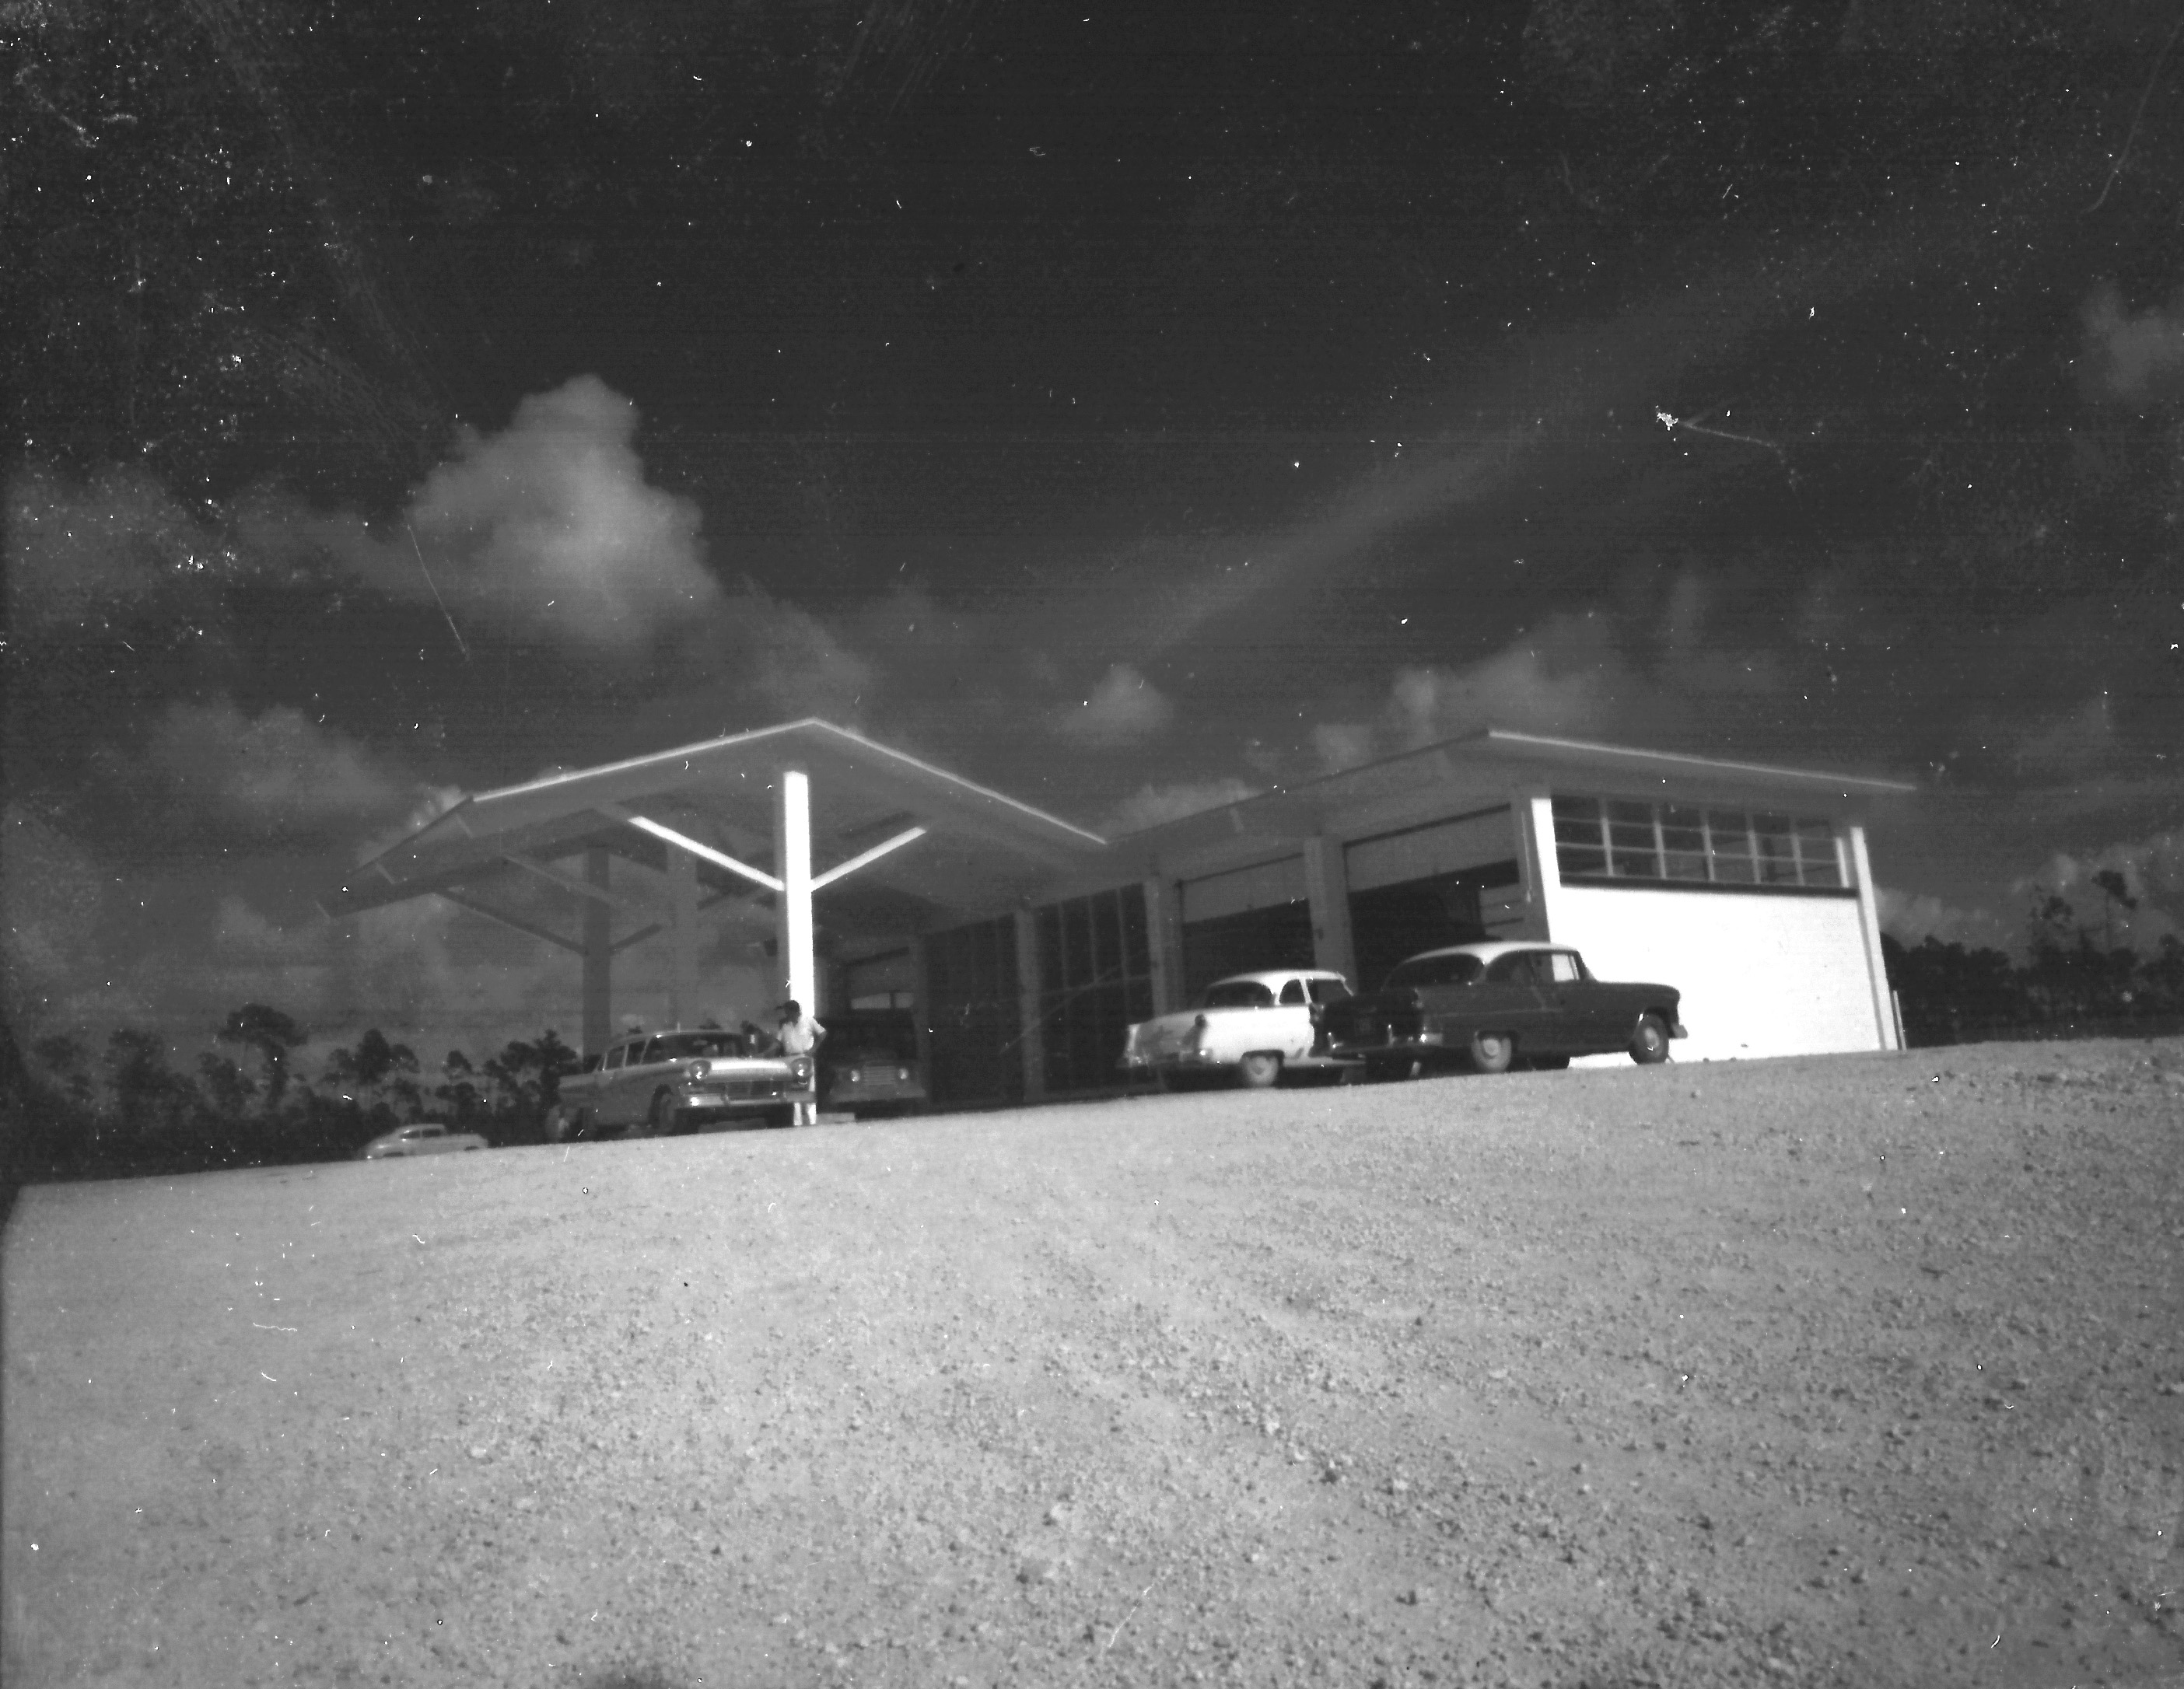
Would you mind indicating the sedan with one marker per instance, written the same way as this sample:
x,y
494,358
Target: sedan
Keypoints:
x,y
1251,1027
420,1137
1493,1006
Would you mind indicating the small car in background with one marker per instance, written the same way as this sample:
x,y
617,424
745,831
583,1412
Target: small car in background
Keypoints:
x,y
868,1066
1252,1028
418,1137
1497,1004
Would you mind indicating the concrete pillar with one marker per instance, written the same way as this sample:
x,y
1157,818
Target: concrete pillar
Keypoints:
x,y
792,856
1033,1044
1543,875
921,1011
1868,923
1164,944
599,957
683,1009
1327,887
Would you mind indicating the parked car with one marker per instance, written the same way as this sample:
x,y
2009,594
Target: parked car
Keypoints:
x,y
650,1083
1491,1006
419,1137
868,1065
1251,1027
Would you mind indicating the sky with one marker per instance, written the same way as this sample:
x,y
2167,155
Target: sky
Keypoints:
x,y
1129,408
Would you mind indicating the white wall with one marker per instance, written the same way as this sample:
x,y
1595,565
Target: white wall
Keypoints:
x,y
1760,975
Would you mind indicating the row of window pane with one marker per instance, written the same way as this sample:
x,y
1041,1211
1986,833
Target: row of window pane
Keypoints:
x,y
1626,839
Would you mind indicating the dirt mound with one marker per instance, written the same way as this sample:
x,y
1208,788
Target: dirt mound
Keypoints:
x,y
1862,1370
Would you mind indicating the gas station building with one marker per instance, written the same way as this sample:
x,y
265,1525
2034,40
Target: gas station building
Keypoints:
x,y
850,876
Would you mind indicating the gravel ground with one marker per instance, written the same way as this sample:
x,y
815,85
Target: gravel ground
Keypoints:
x,y
1861,1370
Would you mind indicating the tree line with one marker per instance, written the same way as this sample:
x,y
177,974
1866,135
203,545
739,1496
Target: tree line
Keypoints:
x,y
75,1111
72,1112
2075,979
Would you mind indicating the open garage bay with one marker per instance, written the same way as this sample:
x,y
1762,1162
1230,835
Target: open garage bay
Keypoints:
x,y
1860,1369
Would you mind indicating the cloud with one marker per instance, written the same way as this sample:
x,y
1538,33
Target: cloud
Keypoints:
x,y
277,775
1150,805
2077,745
2132,359
52,895
1124,708
2152,870
549,527
1566,677
1912,917
92,552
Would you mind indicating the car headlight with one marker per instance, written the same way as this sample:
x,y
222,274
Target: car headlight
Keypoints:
x,y
855,1076
695,1072
903,1075
800,1070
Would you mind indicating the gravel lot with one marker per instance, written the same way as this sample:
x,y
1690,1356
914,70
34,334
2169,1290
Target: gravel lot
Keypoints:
x,y
1861,1370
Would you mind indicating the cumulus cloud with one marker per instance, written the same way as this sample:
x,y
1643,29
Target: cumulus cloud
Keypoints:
x,y
2153,874
1913,917
1149,805
1565,678
277,774
1124,708
549,527
2130,358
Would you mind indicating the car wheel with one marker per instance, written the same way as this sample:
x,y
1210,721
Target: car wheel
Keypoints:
x,y
1258,1070
661,1119
1492,1052
1649,1043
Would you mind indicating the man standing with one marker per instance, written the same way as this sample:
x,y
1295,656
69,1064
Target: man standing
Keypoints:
x,y
800,1035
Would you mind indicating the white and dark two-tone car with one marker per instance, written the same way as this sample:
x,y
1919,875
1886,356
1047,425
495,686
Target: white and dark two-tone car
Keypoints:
x,y
1250,1028
1495,1005
652,1084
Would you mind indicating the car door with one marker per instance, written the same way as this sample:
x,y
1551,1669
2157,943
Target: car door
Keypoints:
x,y
1587,1011
1293,1017
1513,998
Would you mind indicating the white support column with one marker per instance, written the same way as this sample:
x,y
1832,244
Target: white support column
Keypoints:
x,y
1869,922
1543,875
682,938
1033,1041
1164,944
920,1005
792,855
598,958
1327,888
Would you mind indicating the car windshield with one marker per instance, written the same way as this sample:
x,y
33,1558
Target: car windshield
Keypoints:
x,y
673,1046
1462,969
1237,994
868,1057
888,1038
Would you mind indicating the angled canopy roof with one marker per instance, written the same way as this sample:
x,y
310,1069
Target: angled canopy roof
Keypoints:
x,y
976,848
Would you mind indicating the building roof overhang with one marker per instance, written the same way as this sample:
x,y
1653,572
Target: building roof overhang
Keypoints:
x,y
1487,767
978,848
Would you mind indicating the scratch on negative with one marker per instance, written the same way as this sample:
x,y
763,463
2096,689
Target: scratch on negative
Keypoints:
x,y
1129,1615
273,1328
